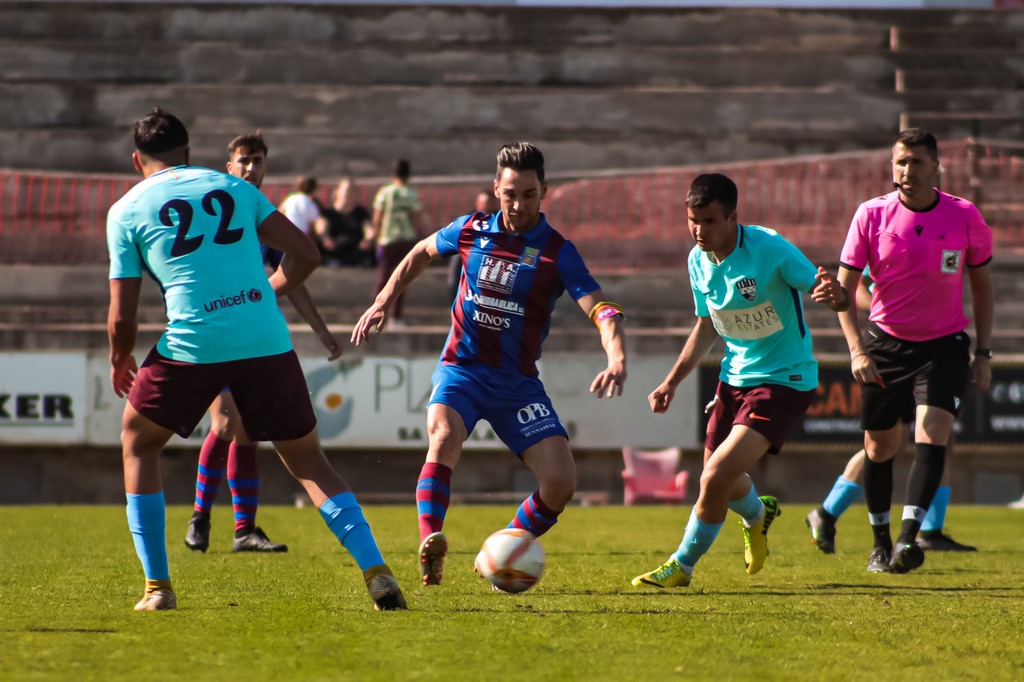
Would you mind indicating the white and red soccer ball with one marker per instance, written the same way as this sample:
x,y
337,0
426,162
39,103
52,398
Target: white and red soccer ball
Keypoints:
x,y
511,559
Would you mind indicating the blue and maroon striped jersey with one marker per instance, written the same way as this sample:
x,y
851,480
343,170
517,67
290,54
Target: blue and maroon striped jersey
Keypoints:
x,y
508,288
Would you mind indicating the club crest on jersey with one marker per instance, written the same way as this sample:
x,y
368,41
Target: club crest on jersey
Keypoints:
x,y
529,257
747,288
497,274
951,262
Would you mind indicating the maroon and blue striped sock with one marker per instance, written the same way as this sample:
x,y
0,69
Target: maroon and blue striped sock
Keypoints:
x,y
535,516
213,455
433,493
244,479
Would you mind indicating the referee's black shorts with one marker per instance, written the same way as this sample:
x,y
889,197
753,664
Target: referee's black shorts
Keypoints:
x,y
933,373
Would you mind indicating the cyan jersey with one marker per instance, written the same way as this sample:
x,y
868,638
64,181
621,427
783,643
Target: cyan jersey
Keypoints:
x,y
754,300
508,288
194,231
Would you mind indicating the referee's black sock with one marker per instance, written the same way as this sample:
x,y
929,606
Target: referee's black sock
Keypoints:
x,y
924,480
878,495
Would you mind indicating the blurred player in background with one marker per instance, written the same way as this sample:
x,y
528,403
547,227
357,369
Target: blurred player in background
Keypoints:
x,y
227,449
396,225
918,242
197,232
515,267
301,206
847,489
746,283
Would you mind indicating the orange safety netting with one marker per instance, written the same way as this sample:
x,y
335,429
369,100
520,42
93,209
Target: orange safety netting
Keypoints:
x,y
622,221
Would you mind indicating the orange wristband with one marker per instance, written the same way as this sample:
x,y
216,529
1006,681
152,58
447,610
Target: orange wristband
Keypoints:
x,y
604,310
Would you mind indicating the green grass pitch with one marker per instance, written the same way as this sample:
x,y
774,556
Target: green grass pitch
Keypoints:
x,y
69,578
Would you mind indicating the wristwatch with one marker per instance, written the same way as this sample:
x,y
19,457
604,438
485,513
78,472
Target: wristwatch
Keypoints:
x,y
983,353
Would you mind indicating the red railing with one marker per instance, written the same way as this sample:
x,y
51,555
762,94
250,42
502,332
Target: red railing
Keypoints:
x,y
622,221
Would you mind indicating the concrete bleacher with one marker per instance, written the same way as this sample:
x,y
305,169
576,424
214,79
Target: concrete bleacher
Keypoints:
x,y
345,89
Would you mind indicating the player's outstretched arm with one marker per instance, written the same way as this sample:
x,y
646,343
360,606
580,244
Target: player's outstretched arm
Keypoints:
x,y
300,253
983,307
411,267
829,291
608,318
697,345
122,328
861,366
303,302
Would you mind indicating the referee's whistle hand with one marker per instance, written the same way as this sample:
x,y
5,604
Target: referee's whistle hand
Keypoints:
x,y
863,369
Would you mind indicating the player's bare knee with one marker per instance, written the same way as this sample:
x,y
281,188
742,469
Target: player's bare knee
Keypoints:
x,y
714,482
557,491
444,441
879,452
222,427
221,434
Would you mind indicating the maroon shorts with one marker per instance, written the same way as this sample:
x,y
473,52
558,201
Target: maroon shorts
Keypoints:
x,y
772,410
270,392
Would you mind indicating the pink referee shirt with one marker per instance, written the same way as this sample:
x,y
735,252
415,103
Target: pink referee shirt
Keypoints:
x,y
917,261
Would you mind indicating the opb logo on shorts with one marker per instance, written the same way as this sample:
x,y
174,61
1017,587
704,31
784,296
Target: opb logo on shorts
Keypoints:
x,y
497,274
532,412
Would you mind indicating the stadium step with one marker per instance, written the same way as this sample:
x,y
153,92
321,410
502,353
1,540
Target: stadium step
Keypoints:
x,y
985,36
928,78
611,94
624,66
418,29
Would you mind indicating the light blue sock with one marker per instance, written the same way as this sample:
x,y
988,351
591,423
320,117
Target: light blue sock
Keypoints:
x,y
749,506
147,520
344,517
936,517
844,493
697,540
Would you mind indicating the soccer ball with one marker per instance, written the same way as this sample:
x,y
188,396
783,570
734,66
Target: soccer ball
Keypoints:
x,y
511,559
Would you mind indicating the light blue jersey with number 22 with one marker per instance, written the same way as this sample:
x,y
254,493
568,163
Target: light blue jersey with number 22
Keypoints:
x,y
194,231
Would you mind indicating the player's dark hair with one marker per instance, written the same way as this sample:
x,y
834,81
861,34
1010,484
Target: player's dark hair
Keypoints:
x,y
520,157
306,184
918,137
708,188
158,133
251,142
401,170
